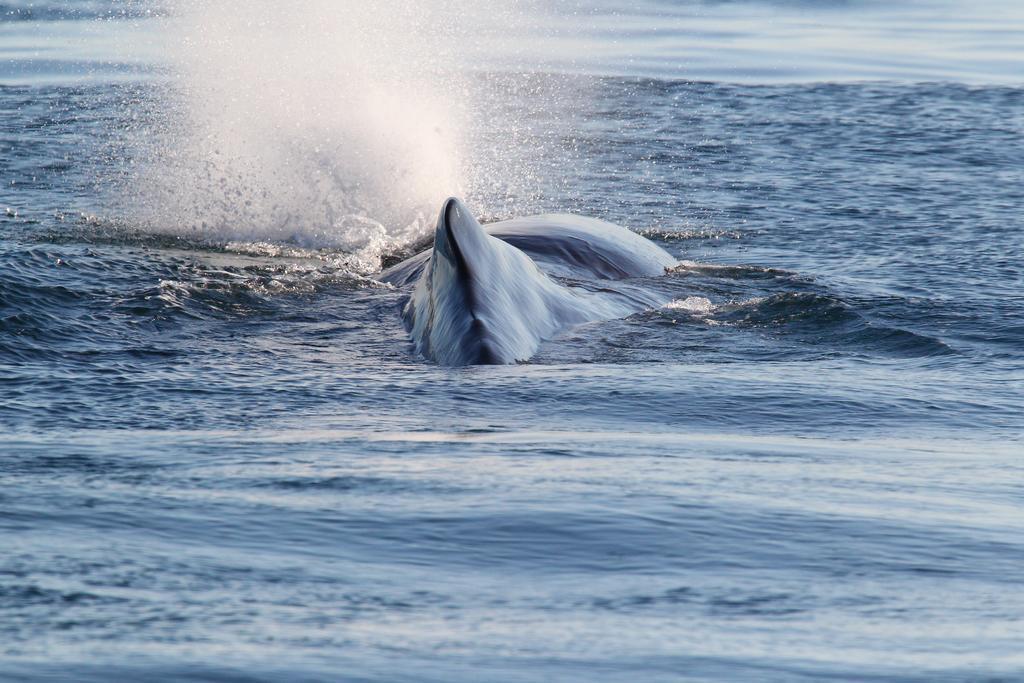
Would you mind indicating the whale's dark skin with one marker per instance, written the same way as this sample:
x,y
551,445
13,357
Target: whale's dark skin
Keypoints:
x,y
488,295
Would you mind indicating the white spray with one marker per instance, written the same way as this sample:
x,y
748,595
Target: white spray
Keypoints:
x,y
323,123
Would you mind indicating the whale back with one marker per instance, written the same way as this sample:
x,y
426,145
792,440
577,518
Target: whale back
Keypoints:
x,y
481,297
563,245
578,247
479,300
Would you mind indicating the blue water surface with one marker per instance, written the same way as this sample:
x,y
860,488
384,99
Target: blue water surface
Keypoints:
x,y
220,460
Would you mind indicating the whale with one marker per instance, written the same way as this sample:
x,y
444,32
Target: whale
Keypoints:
x,y
489,295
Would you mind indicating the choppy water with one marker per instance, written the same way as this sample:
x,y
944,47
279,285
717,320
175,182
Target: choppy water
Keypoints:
x,y
221,461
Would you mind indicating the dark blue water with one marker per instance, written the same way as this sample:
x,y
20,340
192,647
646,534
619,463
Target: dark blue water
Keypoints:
x,y
221,461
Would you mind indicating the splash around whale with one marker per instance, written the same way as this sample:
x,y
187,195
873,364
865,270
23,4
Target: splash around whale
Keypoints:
x,y
492,295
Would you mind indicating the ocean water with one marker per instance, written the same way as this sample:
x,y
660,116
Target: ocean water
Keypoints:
x,y
220,459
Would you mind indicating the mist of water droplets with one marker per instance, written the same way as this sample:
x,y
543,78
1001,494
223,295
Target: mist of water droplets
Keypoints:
x,y
328,123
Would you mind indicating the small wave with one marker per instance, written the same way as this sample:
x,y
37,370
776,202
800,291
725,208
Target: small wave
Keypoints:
x,y
664,235
356,484
26,595
787,325
828,321
734,605
733,271
91,229
74,303
691,304
85,228
788,308
199,292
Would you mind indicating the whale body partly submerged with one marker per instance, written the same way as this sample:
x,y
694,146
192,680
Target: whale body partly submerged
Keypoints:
x,y
491,295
